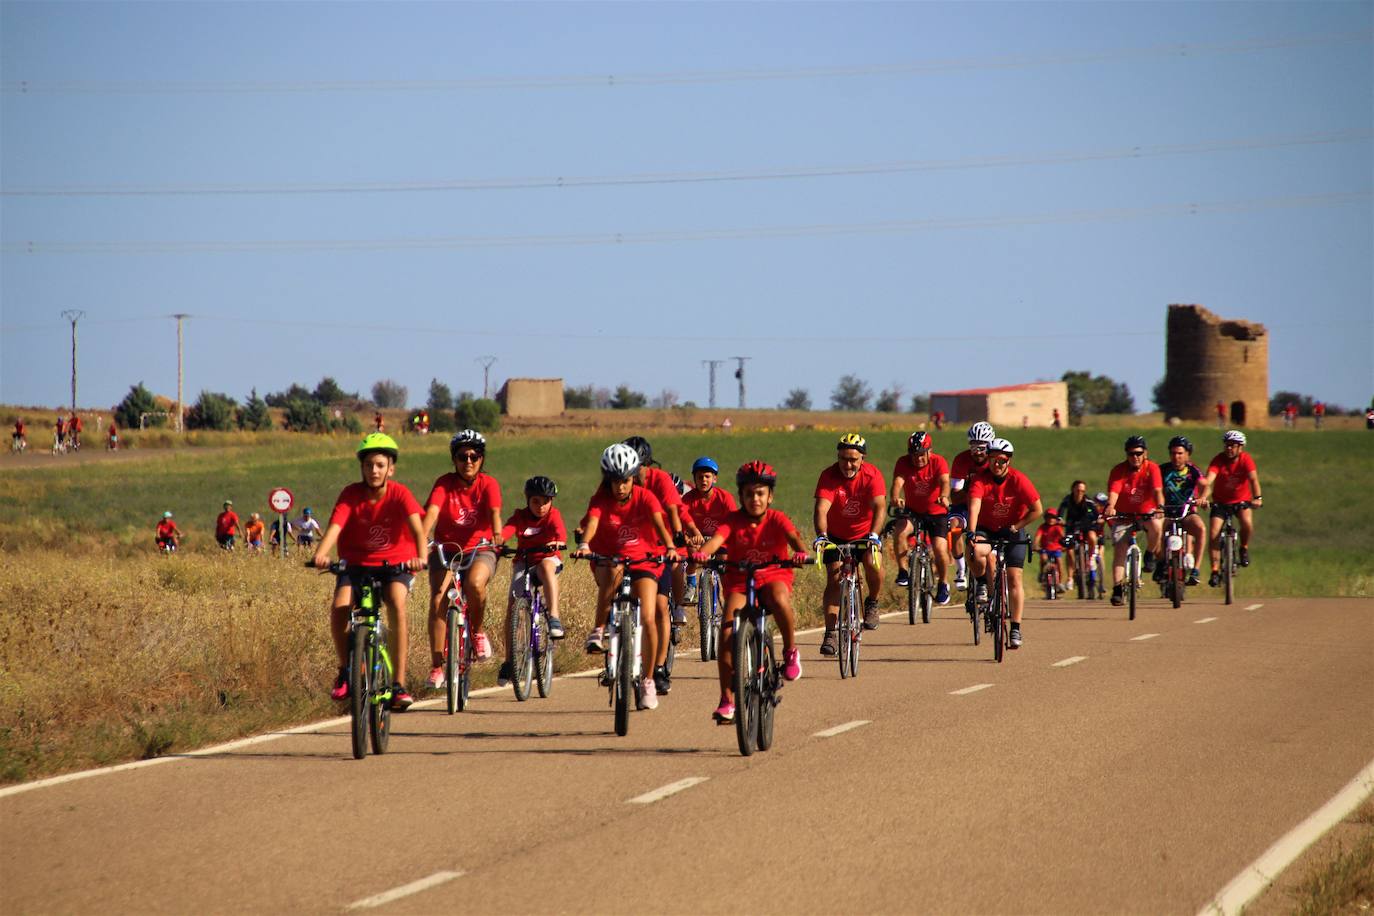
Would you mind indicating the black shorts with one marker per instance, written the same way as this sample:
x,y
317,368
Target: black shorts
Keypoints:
x,y
351,577
831,555
1220,510
224,540
935,526
1016,553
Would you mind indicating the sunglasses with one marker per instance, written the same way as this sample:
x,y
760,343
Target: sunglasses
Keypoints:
x,y
1135,454
468,456
1001,460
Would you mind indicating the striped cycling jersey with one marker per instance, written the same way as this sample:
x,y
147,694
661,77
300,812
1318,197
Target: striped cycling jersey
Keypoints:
x,y
1180,484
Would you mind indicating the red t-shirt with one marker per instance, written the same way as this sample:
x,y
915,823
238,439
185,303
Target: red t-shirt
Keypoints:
x,y
749,542
1052,536
710,509
851,501
531,531
226,522
962,468
660,483
375,533
166,528
625,530
464,509
1232,483
75,424
1005,502
921,486
1136,488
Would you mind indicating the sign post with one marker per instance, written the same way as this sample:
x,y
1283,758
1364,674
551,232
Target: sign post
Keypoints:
x,y
281,500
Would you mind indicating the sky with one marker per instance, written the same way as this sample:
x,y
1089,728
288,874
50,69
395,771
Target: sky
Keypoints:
x,y
929,195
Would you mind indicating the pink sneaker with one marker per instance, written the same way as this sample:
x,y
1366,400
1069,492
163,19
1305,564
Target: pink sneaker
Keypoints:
x,y
791,667
725,713
340,691
648,694
481,646
436,680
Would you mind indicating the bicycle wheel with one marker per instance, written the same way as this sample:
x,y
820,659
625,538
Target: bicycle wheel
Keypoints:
x,y
971,604
997,609
673,637
913,598
1132,578
1080,573
746,689
843,624
704,617
1179,575
543,659
624,677
856,631
1228,565
518,638
465,660
768,690
358,692
453,654
379,699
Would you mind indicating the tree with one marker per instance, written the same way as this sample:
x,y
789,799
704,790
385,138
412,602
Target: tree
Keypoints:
x,y
212,411
578,398
481,414
851,393
294,393
329,392
889,399
129,412
254,414
388,393
1282,399
1120,400
1090,394
797,399
665,399
440,406
626,398
1157,395
920,403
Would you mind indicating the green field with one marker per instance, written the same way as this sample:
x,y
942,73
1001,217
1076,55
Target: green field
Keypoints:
x,y
111,652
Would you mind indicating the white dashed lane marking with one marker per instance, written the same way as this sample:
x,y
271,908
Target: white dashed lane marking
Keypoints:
x,y
671,789
1253,607
1205,620
1143,636
1071,660
841,729
405,890
967,690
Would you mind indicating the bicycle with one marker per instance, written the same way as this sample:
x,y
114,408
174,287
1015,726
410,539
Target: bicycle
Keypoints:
x,y
1085,578
758,676
624,632
920,588
457,662
370,673
708,613
1177,560
1229,539
1050,577
997,614
527,626
1131,584
18,445
850,624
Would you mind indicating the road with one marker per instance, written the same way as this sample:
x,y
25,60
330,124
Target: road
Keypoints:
x,y
1142,778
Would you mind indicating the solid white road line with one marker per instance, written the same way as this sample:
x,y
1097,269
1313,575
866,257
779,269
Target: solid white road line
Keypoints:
x,y
841,729
405,890
1071,660
1205,620
1143,636
1253,607
671,789
1259,874
967,690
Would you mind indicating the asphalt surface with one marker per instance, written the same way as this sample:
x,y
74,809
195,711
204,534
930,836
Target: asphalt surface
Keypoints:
x,y
1141,778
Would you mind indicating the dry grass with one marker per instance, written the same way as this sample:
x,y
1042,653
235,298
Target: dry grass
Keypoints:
x,y
1344,883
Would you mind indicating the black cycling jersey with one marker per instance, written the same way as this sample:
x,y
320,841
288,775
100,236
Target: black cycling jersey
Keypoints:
x,y
1077,516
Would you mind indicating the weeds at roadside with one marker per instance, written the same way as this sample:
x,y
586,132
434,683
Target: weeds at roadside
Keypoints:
x,y
1345,883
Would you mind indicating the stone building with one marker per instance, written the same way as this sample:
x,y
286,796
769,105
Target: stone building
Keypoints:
x,y
1213,360
1010,406
531,397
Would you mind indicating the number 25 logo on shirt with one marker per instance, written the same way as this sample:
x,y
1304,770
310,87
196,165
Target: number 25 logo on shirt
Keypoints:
x,y
377,537
627,535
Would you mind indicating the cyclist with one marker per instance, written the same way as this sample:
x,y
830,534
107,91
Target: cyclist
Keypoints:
x,y
463,508
252,533
1002,502
74,427
684,531
19,439
112,437
1182,482
1049,541
708,506
1134,487
378,423
59,440
920,483
851,500
755,533
538,528
1231,478
1079,515
307,529
972,459
375,522
227,526
625,520
168,535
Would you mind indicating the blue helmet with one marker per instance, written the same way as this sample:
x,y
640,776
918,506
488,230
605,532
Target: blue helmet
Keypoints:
x,y
706,464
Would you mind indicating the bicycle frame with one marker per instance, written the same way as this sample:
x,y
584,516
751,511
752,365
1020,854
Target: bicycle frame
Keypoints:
x,y
1176,553
998,612
532,645
371,673
1131,584
920,590
1229,538
708,612
624,633
850,629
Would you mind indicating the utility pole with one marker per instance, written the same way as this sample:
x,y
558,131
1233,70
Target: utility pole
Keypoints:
x,y
712,364
181,401
486,362
73,315
739,374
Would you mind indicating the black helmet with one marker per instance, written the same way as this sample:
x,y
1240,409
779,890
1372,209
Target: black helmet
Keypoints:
x,y
1182,442
643,448
541,486
1135,442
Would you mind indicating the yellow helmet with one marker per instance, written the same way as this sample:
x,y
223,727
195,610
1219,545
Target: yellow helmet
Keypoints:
x,y
853,440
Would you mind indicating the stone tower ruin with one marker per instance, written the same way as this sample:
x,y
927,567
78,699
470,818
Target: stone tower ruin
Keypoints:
x,y
1213,360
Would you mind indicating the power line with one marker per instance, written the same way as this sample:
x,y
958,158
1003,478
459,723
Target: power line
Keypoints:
x,y
1116,214
1139,151
1181,50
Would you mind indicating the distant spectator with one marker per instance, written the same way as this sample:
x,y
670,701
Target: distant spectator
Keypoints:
x,y
379,423
1290,415
59,436
1318,413
938,418
1055,422
1369,417
280,529
112,437
1221,415
307,530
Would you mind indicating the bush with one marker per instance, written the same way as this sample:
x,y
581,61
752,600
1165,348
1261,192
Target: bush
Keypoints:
x,y
306,415
254,415
481,414
295,393
579,398
388,393
212,411
797,399
890,400
128,413
626,398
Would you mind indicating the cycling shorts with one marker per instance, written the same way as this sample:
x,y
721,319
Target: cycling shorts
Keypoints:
x,y
935,526
350,576
1016,554
224,540
1051,554
485,557
1221,510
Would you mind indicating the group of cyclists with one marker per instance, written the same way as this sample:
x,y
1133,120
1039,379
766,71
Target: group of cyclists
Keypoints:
x,y
66,434
230,528
661,531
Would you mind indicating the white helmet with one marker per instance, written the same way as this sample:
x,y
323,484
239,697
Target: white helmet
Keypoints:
x,y
469,438
620,461
1233,435
981,432
1001,445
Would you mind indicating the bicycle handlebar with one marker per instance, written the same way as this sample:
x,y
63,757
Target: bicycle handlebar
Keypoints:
x,y
551,547
339,567
718,564
605,559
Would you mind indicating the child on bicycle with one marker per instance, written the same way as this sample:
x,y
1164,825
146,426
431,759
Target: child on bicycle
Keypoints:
x,y
708,506
627,521
168,534
375,522
538,529
463,510
755,533
1049,541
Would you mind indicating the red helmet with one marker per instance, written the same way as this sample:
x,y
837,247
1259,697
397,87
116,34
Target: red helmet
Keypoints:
x,y
756,472
919,440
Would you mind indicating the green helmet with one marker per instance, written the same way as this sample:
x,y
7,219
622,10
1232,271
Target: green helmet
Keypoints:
x,y
379,442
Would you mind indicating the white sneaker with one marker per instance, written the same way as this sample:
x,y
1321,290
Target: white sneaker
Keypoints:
x,y
648,694
960,581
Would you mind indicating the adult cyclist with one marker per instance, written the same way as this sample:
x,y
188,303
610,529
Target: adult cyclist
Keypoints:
x,y
1182,483
961,469
920,483
1134,487
1079,514
851,501
1231,478
1003,503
